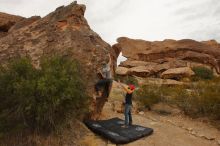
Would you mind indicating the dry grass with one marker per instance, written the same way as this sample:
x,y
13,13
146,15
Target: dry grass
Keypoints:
x,y
199,99
69,136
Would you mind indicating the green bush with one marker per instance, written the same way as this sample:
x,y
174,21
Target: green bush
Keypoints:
x,y
202,99
40,99
198,99
148,95
202,73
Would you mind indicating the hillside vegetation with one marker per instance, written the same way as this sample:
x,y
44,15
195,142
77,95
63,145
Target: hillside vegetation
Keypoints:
x,y
43,99
197,99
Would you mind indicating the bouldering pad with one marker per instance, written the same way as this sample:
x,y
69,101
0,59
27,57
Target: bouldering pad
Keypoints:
x,y
114,131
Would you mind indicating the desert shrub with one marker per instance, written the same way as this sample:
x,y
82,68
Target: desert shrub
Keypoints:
x,y
148,95
202,99
131,80
202,73
198,99
40,99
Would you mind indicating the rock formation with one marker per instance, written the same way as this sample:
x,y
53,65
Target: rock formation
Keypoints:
x,y
24,22
168,59
6,22
177,73
64,31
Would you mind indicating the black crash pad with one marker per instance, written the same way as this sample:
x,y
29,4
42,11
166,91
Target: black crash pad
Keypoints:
x,y
112,130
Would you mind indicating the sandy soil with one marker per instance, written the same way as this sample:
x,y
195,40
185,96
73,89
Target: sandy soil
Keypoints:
x,y
169,130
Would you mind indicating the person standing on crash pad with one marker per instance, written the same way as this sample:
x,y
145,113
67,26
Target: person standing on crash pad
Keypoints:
x,y
128,103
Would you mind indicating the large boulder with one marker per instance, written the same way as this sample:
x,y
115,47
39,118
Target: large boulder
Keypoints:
x,y
139,71
10,23
142,71
66,32
176,73
2,34
174,63
7,21
121,71
158,81
24,22
135,63
160,56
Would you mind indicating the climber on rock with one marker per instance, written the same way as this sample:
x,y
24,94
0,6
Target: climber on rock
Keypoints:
x,y
105,83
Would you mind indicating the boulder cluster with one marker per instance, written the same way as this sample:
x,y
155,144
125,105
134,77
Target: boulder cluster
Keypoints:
x,y
168,59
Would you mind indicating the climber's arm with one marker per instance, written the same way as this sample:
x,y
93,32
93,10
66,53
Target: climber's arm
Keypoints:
x,y
125,88
110,60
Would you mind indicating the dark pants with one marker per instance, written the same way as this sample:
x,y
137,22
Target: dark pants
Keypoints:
x,y
105,85
127,112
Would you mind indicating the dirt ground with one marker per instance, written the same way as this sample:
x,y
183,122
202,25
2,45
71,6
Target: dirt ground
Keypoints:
x,y
169,129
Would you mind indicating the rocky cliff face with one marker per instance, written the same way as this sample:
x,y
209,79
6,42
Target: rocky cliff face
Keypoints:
x,y
64,31
167,59
6,22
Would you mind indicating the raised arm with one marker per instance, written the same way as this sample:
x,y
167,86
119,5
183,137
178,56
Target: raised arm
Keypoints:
x,y
125,88
110,60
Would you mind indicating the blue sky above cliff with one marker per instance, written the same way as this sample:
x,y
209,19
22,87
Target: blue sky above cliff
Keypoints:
x,y
143,19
